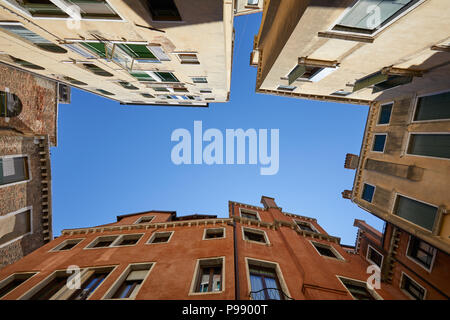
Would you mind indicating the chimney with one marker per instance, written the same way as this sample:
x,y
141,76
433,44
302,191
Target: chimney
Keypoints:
x,y
351,161
268,202
347,194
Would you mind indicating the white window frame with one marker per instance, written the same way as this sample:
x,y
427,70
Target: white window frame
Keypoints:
x,y
415,261
306,223
138,221
41,284
254,230
266,264
178,53
373,142
338,256
249,211
62,244
379,114
286,88
403,274
416,101
118,239
29,208
330,29
408,140
362,191
205,231
193,77
196,274
152,237
373,292
368,259
27,156
116,285
11,278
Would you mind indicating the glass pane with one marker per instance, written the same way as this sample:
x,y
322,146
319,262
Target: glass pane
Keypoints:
x,y
379,142
13,170
433,107
24,33
416,212
257,286
272,289
385,114
432,145
368,192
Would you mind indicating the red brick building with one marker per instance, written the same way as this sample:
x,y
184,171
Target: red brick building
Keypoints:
x,y
256,253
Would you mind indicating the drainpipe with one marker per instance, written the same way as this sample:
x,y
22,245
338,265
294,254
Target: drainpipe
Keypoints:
x,y
236,268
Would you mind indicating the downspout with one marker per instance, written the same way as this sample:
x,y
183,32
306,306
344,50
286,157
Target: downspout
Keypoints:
x,y
236,268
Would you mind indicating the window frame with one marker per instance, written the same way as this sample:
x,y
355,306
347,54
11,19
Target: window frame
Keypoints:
x,y
309,224
65,242
6,281
371,261
249,211
402,277
41,284
408,141
379,113
154,234
205,231
428,269
254,230
24,209
338,256
362,192
189,61
116,242
28,163
373,142
138,221
416,103
196,276
373,292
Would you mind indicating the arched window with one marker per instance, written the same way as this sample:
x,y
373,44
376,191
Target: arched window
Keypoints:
x,y
105,92
97,70
74,81
10,105
26,64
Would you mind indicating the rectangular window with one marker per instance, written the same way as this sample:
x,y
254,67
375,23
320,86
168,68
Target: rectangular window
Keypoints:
x,y
307,72
199,80
102,242
215,233
286,88
412,288
13,169
326,250
360,18
12,282
188,58
264,283
381,81
163,10
130,282
385,113
306,226
142,76
14,226
358,289
421,252
67,245
94,278
145,219
209,275
52,287
128,240
415,212
430,145
368,192
434,107
341,93
379,141
249,215
254,235
374,256
160,237
22,32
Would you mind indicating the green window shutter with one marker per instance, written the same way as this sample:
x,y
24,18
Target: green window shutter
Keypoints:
x,y
370,80
416,212
296,73
44,9
137,51
433,107
96,47
432,145
167,76
142,76
391,82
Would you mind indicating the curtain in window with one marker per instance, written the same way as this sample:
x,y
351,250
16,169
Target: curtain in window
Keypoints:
x,y
257,285
272,289
416,212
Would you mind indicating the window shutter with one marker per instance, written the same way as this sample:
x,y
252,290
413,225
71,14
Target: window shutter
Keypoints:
x,y
137,275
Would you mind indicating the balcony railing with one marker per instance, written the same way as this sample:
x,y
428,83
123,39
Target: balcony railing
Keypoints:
x,y
269,294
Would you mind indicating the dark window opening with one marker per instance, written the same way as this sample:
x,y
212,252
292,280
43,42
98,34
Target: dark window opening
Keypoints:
x,y
434,107
368,192
163,10
209,279
416,291
89,285
254,236
10,105
214,233
51,288
379,141
385,114
16,281
421,252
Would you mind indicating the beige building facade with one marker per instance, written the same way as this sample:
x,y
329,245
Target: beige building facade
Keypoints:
x,y
135,52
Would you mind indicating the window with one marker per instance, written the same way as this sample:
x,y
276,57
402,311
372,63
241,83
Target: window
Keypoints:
x,y
412,288
13,169
127,85
368,192
199,80
209,276
19,30
303,72
430,145
341,93
421,252
102,242
326,250
145,219
128,240
358,289
154,76
67,245
96,47
74,81
205,91
50,288
359,18
147,95
97,70
264,283
374,256
415,212
381,81
26,64
254,235
163,10
379,141
105,92
130,282
385,113
253,215
214,233
12,282
188,58
433,107
252,2
94,278
286,88
160,237
10,105
15,226
306,226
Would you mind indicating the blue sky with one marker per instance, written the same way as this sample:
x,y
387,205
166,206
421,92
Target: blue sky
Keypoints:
x,y
113,159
